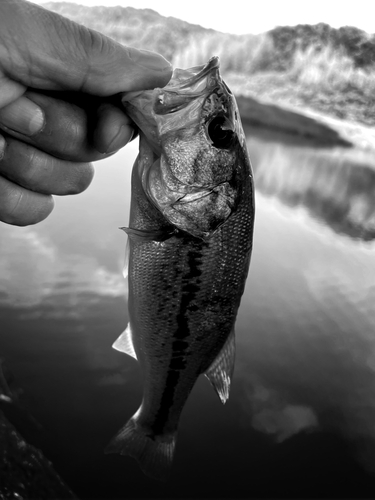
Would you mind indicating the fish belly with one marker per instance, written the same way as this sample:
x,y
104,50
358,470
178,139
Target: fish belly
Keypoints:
x,y
182,308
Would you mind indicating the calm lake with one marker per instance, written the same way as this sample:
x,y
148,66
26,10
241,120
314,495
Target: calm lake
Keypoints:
x,y
301,417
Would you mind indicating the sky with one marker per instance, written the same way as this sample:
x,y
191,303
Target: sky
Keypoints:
x,y
250,16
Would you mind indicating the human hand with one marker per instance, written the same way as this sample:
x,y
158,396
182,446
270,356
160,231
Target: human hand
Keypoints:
x,y
58,107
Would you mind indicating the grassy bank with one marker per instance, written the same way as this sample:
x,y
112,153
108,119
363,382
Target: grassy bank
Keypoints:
x,y
324,78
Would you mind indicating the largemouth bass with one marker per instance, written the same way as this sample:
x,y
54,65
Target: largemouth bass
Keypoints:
x,y
190,241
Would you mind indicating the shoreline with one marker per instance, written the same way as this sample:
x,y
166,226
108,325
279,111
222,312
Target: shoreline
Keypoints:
x,y
313,127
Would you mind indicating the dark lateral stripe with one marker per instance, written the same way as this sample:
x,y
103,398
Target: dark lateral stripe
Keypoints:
x,y
179,345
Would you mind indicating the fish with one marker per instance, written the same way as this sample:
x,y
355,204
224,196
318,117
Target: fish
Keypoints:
x,y
190,238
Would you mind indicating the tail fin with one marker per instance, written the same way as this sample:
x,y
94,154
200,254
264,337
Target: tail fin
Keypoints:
x,y
154,453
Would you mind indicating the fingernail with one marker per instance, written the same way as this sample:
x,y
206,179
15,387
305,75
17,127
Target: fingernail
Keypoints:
x,y
149,60
22,116
135,134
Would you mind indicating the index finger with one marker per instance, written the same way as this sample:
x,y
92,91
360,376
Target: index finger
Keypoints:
x,y
55,53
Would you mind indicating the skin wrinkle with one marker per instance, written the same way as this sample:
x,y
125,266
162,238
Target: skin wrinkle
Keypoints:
x,y
80,179
76,132
15,88
10,213
72,123
70,63
20,196
18,202
16,44
41,60
37,170
91,41
66,62
3,146
10,91
84,39
34,165
28,174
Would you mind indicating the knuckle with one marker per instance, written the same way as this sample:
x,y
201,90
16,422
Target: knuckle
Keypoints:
x,y
73,137
80,178
30,167
12,213
93,45
20,207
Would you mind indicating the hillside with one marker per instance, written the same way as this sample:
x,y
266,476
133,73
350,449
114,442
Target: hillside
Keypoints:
x,y
310,67
141,28
352,42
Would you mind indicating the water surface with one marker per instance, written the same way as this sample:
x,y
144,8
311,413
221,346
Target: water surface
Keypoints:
x,y
300,420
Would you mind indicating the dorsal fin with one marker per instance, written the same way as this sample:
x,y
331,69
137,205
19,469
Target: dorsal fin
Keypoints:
x,y
221,370
125,343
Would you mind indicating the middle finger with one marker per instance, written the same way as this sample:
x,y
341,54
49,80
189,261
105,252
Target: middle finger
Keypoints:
x,y
68,130
40,172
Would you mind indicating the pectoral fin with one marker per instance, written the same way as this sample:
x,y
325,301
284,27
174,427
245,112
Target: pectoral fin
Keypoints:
x,y
140,235
221,370
152,235
125,343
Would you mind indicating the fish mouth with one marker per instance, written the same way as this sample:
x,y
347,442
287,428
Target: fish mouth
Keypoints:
x,y
178,105
186,86
200,72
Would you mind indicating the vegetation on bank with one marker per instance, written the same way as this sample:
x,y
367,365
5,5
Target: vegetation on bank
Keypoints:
x,y
317,67
326,77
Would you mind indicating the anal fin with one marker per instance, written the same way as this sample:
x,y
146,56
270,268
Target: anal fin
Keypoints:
x,y
221,370
125,270
125,343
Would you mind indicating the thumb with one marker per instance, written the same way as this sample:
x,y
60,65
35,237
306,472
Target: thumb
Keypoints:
x,y
47,51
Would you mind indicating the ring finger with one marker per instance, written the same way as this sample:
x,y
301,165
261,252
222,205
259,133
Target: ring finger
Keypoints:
x,y
37,171
69,126
21,207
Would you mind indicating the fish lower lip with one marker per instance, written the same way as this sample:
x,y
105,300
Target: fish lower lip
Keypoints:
x,y
212,64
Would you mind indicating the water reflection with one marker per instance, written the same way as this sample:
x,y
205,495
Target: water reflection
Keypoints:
x,y
306,357
269,118
336,185
271,413
78,251
48,273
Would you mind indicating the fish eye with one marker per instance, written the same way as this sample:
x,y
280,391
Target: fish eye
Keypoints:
x,y
220,133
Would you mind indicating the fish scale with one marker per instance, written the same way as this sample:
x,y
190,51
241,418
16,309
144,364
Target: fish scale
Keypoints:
x,y
187,264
